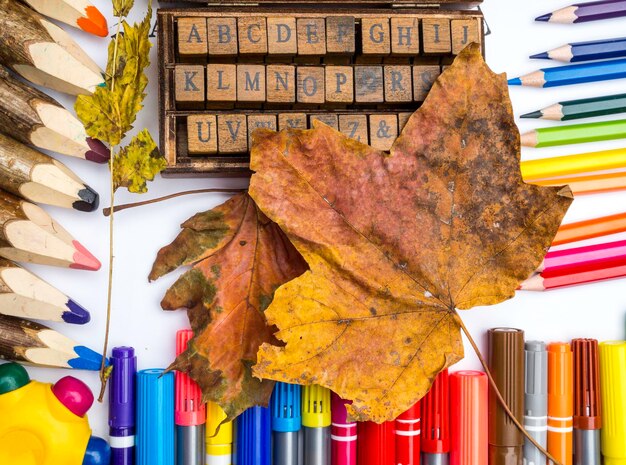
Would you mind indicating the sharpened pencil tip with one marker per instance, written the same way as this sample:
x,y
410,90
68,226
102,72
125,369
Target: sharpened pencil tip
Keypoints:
x,y
533,114
89,200
540,56
93,22
98,152
514,82
86,359
83,260
544,18
76,314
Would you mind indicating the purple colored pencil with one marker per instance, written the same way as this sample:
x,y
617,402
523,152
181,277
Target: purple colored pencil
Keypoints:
x,y
583,12
122,406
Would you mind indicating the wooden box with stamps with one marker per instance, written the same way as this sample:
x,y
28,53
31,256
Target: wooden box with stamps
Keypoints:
x,y
360,67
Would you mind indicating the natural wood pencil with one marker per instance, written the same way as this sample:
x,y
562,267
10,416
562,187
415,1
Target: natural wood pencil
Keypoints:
x,y
78,13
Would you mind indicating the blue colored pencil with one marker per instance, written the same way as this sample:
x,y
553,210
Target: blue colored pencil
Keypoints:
x,y
586,51
573,74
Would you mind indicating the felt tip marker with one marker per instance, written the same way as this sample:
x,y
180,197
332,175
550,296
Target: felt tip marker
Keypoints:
x,y
316,425
613,386
254,437
122,406
343,433
536,401
468,425
560,402
408,436
286,424
219,447
587,410
436,422
376,444
190,412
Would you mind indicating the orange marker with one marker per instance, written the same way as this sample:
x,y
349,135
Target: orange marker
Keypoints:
x,y
560,402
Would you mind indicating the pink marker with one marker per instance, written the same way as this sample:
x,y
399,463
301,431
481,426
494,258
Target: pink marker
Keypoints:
x,y
342,433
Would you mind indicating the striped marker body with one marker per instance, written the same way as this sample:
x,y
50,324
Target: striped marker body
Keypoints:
x,y
408,436
560,402
535,400
343,434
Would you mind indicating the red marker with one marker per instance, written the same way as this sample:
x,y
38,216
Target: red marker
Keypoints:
x,y
342,433
436,422
408,436
376,444
469,424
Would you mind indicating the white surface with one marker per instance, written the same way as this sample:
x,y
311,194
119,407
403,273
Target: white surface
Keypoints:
x,y
592,311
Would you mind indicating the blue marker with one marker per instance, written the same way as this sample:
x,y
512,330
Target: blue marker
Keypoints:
x,y
254,433
286,424
122,406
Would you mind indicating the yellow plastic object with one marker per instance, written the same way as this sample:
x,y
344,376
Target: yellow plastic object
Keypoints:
x,y
315,406
219,448
613,389
37,429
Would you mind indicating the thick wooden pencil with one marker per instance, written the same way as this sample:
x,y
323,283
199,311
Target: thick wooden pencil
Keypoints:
x,y
33,343
573,164
582,108
39,178
32,117
589,229
575,134
588,11
589,184
43,53
573,74
557,262
538,282
78,13
604,49
28,234
24,295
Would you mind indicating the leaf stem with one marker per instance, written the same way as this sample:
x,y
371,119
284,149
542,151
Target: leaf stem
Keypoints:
x,y
107,211
497,392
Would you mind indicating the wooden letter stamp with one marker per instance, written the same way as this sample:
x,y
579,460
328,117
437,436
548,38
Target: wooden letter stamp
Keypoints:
x,y
339,84
252,33
189,86
222,36
202,134
232,133
192,37
310,84
375,36
250,83
281,83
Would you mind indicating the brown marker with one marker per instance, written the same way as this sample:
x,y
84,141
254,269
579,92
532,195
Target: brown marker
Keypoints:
x,y
506,362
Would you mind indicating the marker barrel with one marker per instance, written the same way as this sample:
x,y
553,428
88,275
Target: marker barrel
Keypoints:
x,y
122,406
613,386
343,434
316,446
254,435
287,448
376,444
190,445
560,402
587,447
436,422
408,436
536,401
468,425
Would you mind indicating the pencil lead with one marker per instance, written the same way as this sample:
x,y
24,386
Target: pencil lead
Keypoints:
x,y
89,200
86,359
533,114
514,82
98,152
83,259
75,314
540,56
94,22
544,18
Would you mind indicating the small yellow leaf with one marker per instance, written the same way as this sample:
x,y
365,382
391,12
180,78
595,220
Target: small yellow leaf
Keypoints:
x,y
137,163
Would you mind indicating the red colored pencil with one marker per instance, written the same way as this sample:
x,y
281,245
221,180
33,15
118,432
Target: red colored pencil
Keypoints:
x,y
592,256
539,283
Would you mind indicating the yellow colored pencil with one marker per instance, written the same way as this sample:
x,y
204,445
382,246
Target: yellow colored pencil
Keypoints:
x,y
569,165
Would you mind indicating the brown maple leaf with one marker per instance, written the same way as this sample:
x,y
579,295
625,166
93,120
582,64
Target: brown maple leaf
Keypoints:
x,y
240,258
397,242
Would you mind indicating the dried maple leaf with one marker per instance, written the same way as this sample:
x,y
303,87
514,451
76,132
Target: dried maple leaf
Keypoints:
x,y
240,258
397,242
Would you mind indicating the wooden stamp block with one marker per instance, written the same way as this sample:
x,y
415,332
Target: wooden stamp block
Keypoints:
x,y
221,83
282,38
250,83
329,119
311,36
403,118
383,131
189,86
267,121
281,83
423,79
192,37
339,84
310,84
232,133
398,83
292,121
464,32
222,36
340,35
202,134
375,36
368,84
252,34
405,36
354,126
436,35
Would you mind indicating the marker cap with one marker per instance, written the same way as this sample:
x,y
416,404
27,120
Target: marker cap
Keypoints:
x,y
155,417
613,386
436,416
285,403
536,379
189,410
254,437
214,416
587,407
376,444
468,426
339,414
122,388
560,380
315,406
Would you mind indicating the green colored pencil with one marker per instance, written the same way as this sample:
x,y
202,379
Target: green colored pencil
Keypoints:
x,y
575,134
582,108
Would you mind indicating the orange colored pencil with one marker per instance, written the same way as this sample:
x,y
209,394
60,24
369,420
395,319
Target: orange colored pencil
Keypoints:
x,y
589,184
588,229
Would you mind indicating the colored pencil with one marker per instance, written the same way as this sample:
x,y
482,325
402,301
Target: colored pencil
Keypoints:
x,y
22,294
28,234
30,116
604,49
573,74
573,164
78,13
537,282
39,178
589,184
575,134
33,343
582,108
588,11
43,53
588,229
558,262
